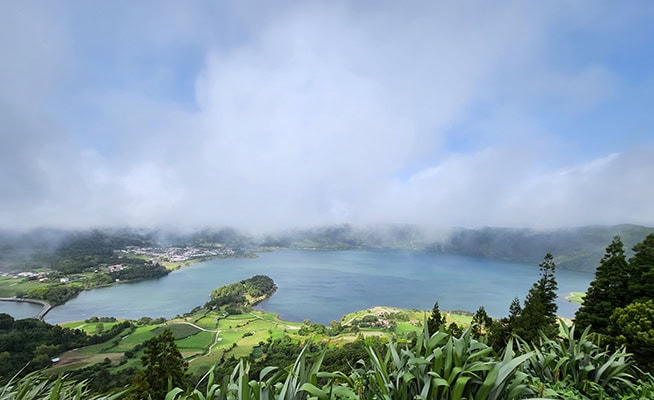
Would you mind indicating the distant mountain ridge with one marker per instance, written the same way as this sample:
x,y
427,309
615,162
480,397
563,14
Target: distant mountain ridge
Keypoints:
x,y
578,248
573,248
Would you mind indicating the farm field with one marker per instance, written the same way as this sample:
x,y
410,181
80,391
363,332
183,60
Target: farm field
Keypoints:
x,y
204,337
10,287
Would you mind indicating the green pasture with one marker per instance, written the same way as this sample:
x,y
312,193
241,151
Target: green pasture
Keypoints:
x,y
460,319
10,287
228,338
207,322
179,330
73,324
198,346
253,340
203,362
90,328
200,340
234,323
140,335
403,328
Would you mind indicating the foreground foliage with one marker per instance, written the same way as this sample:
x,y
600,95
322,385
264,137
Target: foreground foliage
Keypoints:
x,y
36,387
440,366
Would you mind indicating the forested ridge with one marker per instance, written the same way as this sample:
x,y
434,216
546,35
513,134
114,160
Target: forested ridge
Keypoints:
x,y
573,248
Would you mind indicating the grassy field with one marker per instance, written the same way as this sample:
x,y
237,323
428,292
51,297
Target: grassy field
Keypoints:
x,y
179,330
90,328
206,336
199,341
9,287
140,335
412,318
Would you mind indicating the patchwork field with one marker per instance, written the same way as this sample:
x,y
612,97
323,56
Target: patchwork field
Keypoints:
x,y
205,337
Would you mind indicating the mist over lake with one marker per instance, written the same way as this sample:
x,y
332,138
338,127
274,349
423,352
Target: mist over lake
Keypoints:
x,y
324,285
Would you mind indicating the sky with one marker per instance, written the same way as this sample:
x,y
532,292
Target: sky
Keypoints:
x,y
271,115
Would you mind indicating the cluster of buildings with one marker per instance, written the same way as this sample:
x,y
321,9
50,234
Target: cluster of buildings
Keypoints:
x,y
41,276
178,254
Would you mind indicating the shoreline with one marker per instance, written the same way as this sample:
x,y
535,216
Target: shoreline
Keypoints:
x,y
46,306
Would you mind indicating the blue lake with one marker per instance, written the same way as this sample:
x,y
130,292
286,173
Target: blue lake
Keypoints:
x,y
324,285
19,310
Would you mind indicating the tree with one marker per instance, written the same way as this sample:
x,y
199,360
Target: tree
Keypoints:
x,y
608,291
499,331
539,312
641,265
162,362
454,329
633,325
435,320
481,323
515,309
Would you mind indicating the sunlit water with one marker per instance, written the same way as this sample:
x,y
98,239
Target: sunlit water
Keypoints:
x,y
324,285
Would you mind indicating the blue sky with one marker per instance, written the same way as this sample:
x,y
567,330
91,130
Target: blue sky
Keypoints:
x,y
266,115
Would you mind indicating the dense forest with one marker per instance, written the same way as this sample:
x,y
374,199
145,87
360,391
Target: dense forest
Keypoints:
x,y
28,344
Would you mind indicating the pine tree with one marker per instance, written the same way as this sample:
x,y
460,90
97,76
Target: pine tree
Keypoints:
x,y
162,362
435,320
608,291
481,323
539,312
641,265
500,330
515,309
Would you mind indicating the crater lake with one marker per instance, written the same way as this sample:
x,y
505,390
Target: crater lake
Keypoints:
x,y
324,285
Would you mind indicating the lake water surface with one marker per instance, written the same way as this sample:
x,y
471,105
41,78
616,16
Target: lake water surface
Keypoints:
x,y
19,310
324,285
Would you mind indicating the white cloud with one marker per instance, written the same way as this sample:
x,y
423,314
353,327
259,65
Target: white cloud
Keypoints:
x,y
309,114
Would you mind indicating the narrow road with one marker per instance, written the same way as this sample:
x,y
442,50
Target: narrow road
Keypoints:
x,y
211,346
196,326
46,306
276,322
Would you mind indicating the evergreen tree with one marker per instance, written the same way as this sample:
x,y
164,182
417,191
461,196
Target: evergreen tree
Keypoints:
x,y
500,330
454,329
435,320
539,312
515,309
641,265
608,291
632,326
481,323
162,362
